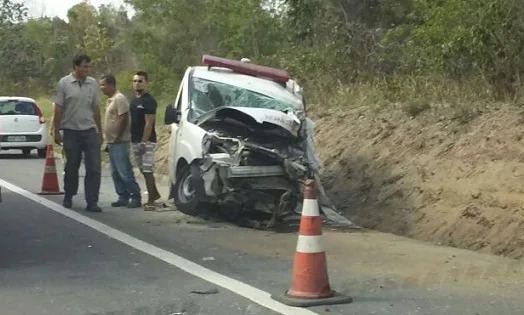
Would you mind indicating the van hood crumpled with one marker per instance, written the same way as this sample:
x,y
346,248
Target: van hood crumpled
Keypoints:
x,y
246,136
257,118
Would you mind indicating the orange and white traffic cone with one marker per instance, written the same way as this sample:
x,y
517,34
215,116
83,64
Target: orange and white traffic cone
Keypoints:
x,y
310,281
50,181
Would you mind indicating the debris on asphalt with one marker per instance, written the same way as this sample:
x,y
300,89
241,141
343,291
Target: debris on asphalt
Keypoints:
x,y
210,291
208,258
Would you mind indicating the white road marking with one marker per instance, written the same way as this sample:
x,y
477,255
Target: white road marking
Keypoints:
x,y
256,295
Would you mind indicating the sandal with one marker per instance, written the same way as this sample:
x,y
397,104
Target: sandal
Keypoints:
x,y
149,207
159,203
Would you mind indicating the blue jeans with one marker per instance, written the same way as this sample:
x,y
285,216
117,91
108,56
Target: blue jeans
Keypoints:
x,y
122,172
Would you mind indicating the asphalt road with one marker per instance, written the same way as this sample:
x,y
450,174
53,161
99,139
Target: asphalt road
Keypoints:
x,y
59,261
53,265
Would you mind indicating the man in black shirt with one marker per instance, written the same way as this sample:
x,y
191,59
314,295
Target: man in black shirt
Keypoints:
x,y
143,136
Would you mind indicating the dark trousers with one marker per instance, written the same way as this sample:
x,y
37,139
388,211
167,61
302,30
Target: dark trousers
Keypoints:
x,y
122,172
76,143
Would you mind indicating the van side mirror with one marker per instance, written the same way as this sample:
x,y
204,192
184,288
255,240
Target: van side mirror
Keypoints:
x,y
171,115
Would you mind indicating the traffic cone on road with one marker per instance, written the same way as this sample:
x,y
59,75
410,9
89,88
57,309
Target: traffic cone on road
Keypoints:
x,y
310,281
50,181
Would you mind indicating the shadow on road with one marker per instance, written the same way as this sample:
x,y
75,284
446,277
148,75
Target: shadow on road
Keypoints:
x,y
248,220
20,156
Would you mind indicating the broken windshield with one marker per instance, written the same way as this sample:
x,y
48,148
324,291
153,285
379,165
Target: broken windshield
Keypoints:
x,y
208,95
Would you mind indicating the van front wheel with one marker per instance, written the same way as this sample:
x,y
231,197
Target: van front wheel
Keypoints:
x,y
185,193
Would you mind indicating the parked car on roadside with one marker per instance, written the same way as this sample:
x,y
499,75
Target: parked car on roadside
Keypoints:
x,y
22,125
238,139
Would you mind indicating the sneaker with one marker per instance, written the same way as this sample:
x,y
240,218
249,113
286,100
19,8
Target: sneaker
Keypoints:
x,y
135,204
119,203
93,208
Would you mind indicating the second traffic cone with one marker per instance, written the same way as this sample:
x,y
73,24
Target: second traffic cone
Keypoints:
x,y
50,181
310,281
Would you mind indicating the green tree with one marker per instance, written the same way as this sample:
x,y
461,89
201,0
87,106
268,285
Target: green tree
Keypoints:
x,y
97,44
16,49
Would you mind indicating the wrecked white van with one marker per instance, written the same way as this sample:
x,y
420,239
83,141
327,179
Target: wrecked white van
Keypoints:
x,y
238,140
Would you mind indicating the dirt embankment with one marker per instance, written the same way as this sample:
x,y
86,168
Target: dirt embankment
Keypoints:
x,y
444,176
453,179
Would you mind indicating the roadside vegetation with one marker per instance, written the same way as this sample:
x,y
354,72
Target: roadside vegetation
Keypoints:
x,y
346,53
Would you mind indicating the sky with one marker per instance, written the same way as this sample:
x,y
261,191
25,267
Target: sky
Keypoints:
x,y
59,7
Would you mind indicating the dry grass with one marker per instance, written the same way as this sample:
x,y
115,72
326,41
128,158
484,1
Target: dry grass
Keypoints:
x,y
414,94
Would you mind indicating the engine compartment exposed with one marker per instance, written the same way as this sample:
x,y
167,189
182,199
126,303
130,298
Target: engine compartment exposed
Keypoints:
x,y
255,147
231,128
257,165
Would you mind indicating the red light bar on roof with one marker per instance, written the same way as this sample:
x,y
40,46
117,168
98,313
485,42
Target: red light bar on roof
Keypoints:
x,y
246,68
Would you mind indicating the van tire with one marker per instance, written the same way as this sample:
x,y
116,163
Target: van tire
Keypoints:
x,y
184,203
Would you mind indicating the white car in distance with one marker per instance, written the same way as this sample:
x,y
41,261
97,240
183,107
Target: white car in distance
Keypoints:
x,y
238,140
22,126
